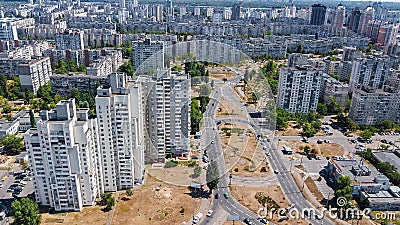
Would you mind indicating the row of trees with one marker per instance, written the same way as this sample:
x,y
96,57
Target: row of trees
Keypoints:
x,y
271,74
64,67
310,122
198,72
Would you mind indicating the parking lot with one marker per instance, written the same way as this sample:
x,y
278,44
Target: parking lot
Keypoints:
x,y
15,184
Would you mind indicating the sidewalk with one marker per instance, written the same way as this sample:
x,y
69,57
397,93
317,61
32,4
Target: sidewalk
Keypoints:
x,y
204,207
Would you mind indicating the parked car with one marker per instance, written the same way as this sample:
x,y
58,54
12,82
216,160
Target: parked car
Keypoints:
x,y
248,221
264,221
226,195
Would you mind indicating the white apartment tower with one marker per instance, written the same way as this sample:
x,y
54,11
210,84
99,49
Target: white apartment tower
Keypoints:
x,y
63,153
369,71
118,108
167,106
70,40
298,89
144,55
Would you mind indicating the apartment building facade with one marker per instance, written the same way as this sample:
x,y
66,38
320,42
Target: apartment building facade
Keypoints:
x,y
119,118
63,152
299,89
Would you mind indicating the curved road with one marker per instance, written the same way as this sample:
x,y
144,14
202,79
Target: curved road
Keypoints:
x,y
285,179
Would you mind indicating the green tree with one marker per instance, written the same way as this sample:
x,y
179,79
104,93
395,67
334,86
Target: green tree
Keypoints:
x,y
6,109
197,171
195,116
322,109
32,118
212,175
367,154
108,200
366,134
26,212
13,145
129,192
205,90
343,188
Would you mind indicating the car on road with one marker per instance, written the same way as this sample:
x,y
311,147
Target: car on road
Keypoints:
x,y
320,141
197,217
305,140
10,189
226,195
1,185
212,142
327,141
319,216
264,221
276,171
247,221
216,196
210,212
267,153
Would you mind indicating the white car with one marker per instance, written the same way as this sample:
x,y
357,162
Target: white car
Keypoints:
x,y
210,212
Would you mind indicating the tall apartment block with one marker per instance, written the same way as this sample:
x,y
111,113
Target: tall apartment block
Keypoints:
x,y
330,87
144,55
167,105
63,153
299,89
370,71
119,120
34,73
70,39
369,106
338,16
318,14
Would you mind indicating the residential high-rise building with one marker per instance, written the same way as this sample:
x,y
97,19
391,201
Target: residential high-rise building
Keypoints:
x,y
299,89
338,16
297,59
70,39
370,106
318,14
8,32
369,71
365,17
118,109
168,114
63,155
196,11
236,10
332,88
354,20
34,73
144,55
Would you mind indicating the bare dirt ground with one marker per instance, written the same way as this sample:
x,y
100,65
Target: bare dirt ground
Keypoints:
x,y
331,149
313,188
243,155
219,73
156,204
247,197
227,109
180,175
324,149
91,215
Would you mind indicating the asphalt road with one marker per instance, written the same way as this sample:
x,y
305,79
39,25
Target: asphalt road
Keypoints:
x,y
210,134
215,153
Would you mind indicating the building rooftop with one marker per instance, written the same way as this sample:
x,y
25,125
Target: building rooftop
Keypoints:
x,y
387,156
